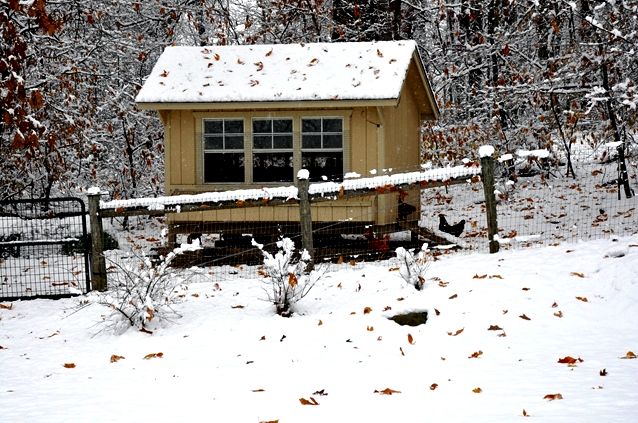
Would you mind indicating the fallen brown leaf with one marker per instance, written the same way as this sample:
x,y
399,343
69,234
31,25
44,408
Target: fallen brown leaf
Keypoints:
x,y
458,332
433,386
524,317
237,306
370,328
583,299
437,312
410,339
259,390
367,310
552,397
578,274
629,356
570,360
554,305
453,297
525,413
6,306
477,390
115,358
477,276
558,313
402,353
387,391
69,365
476,354
603,372
495,327
312,401
496,277
153,355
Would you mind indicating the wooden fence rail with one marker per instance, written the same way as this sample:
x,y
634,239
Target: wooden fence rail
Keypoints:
x,y
303,194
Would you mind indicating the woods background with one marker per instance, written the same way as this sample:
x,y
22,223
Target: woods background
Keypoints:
x,y
512,73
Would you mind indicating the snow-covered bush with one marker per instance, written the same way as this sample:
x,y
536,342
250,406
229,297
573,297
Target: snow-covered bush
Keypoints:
x,y
413,266
142,293
288,276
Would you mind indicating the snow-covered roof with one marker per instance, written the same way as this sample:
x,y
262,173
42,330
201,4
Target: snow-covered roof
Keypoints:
x,y
280,73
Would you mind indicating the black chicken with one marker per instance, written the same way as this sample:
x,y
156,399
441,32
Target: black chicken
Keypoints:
x,y
456,229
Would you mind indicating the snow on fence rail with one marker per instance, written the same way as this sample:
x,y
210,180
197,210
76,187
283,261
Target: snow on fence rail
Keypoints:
x,y
350,187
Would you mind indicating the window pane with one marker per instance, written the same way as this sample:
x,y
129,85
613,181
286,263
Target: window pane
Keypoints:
x,y
234,126
311,125
311,141
332,125
332,141
223,167
213,143
282,141
323,164
272,167
262,126
234,142
262,141
282,126
213,126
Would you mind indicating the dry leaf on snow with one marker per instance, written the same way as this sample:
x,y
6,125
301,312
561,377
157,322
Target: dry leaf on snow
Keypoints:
x,y
237,306
115,358
578,274
153,355
558,313
477,390
629,356
552,397
477,276
583,299
495,327
434,386
69,365
453,297
524,317
312,401
410,339
387,391
570,360
603,372
367,310
6,306
370,328
525,413
259,390
458,332
476,354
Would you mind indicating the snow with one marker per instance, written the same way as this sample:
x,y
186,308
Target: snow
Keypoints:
x,y
486,151
540,154
283,72
303,174
289,192
220,363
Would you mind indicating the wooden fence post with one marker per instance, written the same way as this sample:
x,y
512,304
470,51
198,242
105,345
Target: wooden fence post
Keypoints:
x,y
98,264
305,217
487,175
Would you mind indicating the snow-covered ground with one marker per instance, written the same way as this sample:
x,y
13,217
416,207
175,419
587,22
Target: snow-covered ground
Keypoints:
x,y
498,325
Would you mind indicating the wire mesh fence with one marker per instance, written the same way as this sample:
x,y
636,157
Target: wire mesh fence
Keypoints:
x,y
541,208
43,248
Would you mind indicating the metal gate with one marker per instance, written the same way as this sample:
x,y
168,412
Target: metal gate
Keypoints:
x,y
44,248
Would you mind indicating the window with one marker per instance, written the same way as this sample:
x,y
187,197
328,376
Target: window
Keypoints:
x,y
224,150
272,150
322,147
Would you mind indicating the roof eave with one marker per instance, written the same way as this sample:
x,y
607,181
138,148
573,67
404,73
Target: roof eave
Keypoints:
x,y
426,83
251,105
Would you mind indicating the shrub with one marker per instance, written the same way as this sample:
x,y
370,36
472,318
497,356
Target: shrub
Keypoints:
x,y
142,292
288,276
412,267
